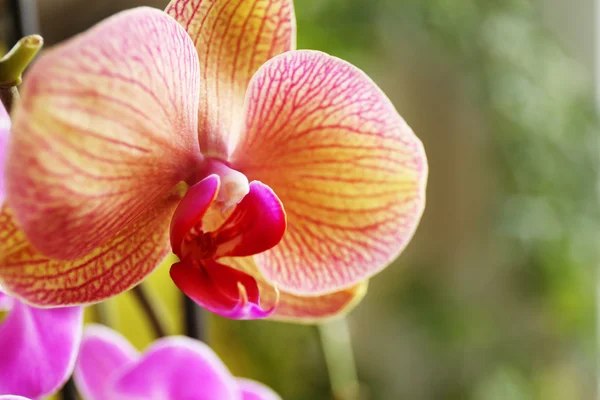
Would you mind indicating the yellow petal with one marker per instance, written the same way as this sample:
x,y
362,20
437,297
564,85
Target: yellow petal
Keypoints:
x,y
302,309
349,171
106,126
233,38
313,309
125,260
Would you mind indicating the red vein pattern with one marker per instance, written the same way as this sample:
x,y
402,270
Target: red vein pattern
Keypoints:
x,y
106,127
350,172
124,261
233,39
316,309
295,308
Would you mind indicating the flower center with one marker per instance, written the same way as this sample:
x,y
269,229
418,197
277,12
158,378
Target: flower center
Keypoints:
x,y
233,186
198,245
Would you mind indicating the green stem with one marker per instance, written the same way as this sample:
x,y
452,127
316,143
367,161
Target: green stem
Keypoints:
x,y
151,308
103,314
337,349
13,64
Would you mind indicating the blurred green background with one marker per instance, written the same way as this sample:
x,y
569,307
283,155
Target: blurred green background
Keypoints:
x,y
494,298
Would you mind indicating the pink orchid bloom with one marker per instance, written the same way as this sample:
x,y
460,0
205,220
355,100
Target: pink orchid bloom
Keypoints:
x,y
38,348
284,177
173,368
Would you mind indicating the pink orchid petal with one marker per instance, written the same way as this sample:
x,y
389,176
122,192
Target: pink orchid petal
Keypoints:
x,y
192,208
123,262
349,171
102,354
105,128
39,347
257,224
6,302
252,390
4,135
221,289
11,397
175,368
233,39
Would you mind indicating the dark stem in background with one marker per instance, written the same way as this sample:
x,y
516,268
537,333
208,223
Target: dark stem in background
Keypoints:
x,y
102,314
16,24
194,319
151,308
68,391
25,20
9,96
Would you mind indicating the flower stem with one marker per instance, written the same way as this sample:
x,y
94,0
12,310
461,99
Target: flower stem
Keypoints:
x,y
25,18
9,97
149,305
12,66
194,319
68,391
337,349
103,314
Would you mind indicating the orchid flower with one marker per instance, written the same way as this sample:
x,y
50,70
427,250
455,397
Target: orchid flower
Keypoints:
x,y
172,368
38,347
284,178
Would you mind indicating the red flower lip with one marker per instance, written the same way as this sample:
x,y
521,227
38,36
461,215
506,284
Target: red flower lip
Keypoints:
x,y
256,224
